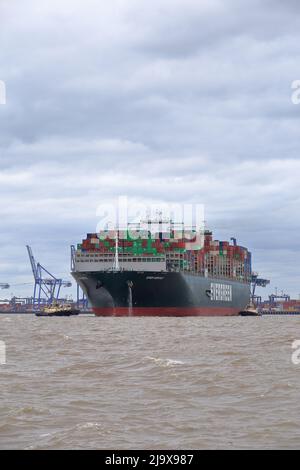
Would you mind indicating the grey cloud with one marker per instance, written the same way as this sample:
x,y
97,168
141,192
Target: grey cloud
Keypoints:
x,y
159,101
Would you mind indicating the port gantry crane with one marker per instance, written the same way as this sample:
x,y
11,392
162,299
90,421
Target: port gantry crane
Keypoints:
x,y
257,282
274,297
45,283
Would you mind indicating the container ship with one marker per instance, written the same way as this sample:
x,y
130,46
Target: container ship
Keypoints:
x,y
162,273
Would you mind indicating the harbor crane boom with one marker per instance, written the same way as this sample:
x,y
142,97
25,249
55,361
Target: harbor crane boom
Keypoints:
x,y
46,285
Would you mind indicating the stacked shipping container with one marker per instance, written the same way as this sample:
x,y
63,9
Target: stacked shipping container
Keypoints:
x,y
214,258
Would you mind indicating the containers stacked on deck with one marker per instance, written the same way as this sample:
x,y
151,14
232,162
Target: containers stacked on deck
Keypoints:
x,y
142,245
220,258
213,258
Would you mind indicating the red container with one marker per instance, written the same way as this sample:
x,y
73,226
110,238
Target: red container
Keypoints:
x,y
181,244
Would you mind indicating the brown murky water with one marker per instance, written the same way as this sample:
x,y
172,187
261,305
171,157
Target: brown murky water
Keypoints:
x,y
147,383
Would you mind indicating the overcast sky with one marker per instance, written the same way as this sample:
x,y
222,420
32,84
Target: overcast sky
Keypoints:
x,y
168,100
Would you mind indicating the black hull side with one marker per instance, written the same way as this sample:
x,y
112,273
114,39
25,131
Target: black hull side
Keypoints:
x,y
159,293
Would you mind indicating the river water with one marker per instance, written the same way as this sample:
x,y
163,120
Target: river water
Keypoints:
x,y
149,383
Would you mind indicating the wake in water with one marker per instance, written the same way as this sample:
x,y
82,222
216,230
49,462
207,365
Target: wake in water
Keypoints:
x,y
164,362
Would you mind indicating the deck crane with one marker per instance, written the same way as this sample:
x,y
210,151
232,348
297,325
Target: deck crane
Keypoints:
x,y
46,286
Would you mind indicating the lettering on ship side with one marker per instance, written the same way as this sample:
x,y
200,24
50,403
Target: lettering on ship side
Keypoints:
x,y
220,292
154,277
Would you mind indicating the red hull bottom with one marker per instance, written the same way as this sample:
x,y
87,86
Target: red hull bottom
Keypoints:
x,y
166,312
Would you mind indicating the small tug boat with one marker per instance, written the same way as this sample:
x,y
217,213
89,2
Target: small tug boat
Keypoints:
x,y
250,311
58,310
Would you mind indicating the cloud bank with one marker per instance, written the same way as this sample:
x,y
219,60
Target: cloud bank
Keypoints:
x,y
165,101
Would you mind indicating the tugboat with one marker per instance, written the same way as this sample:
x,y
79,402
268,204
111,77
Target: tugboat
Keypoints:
x,y
58,310
250,311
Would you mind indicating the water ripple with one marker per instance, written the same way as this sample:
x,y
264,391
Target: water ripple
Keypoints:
x,y
89,383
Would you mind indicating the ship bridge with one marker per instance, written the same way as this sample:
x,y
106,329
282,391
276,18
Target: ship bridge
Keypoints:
x,y
126,262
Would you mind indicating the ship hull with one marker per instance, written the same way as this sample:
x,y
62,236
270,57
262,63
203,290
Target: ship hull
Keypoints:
x,y
162,294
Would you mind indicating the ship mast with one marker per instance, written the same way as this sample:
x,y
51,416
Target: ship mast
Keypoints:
x,y
116,261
